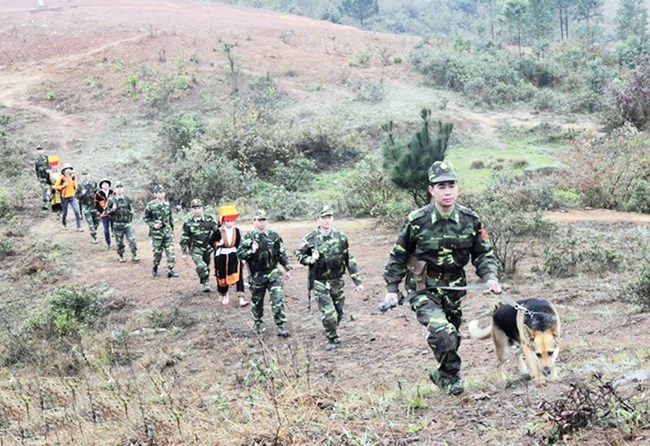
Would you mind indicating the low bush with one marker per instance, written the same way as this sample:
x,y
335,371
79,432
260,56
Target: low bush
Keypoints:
x,y
630,102
639,291
180,130
207,175
71,309
367,191
568,256
639,196
511,211
488,77
281,204
610,172
296,175
566,198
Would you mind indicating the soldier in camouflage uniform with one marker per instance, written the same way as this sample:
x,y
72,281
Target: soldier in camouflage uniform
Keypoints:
x,y
158,215
42,166
86,196
263,249
444,236
195,240
120,209
327,253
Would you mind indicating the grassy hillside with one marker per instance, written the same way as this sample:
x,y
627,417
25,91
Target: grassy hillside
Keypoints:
x,y
251,106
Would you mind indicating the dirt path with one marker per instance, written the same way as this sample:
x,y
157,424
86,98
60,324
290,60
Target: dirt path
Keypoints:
x,y
599,215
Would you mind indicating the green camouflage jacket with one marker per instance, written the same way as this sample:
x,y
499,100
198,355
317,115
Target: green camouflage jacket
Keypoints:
x,y
41,164
271,251
86,193
159,212
334,256
123,213
445,244
196,232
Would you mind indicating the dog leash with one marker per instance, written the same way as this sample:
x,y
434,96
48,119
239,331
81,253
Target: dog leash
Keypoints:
x,y
505,298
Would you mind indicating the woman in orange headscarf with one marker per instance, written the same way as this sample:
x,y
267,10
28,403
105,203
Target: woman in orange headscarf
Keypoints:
x,y
227,265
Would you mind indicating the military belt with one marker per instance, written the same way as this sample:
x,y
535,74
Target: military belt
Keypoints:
x,y
442,275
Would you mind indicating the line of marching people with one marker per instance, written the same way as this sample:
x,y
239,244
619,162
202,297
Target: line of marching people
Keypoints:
x,y
433,247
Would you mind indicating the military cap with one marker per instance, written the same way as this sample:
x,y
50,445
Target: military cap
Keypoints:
x,y
105,180
85,172
66,166
325,211
119,184
196,203
441,172
260,214
158,188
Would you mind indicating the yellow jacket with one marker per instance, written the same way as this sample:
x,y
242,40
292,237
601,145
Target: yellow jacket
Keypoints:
x,y
69,188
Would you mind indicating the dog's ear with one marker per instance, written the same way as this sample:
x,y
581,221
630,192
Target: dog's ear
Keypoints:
x,y
555,329
529,332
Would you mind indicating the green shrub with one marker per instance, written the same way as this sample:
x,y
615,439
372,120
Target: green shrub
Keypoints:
x,y
281,204
207,175
510,208
6,210
165,319
297,174
366,91
598,258
367,191
252,138
72,308
639,196
560,262
566,198
328,142
630,102
360,59
639,291
487,76
566,258
264,90
539,72
180,130
611,171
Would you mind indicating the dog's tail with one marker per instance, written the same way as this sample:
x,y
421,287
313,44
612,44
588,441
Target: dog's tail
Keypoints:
x,y
476,332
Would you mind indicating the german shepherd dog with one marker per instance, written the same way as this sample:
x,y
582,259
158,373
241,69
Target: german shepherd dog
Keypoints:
x,y
534,327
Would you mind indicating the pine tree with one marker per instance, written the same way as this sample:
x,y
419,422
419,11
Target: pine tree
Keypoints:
x,y
632,20
360,9
407,162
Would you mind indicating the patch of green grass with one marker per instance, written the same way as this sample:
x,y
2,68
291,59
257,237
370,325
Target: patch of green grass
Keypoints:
x,y
516,155
327,186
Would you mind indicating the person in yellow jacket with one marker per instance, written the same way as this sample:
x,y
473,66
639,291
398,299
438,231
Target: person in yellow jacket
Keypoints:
x,y
67,184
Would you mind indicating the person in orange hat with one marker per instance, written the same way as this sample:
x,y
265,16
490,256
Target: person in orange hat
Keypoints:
x,y
227,265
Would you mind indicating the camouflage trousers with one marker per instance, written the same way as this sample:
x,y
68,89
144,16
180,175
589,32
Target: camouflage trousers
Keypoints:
x,y
120,230
441,315
201,257
45,192
271,281
92,218
331,298
163,242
